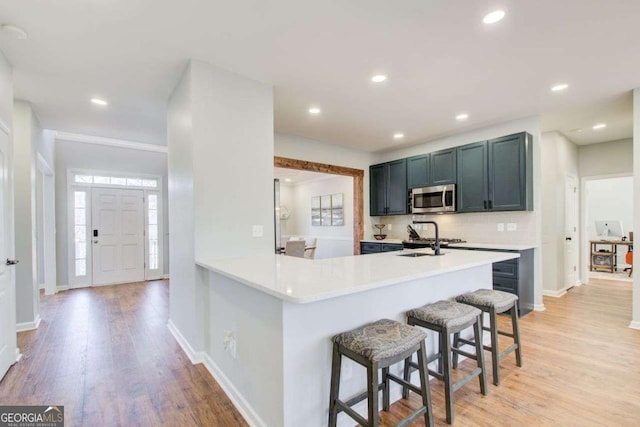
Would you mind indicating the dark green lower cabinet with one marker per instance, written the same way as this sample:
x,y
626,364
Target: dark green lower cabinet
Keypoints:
x,y
374,247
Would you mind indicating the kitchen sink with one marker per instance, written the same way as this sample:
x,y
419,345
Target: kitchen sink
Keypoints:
x,y
416,254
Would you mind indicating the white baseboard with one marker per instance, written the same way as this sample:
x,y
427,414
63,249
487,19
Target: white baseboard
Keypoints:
x,y
18,355
635,324
238,400
28,326
195,357
62,288
555,294
539,307
165,276
241,404
41,286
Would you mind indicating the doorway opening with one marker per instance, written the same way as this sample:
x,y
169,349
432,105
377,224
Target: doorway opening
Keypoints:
x,y
358,186
607,201
115,228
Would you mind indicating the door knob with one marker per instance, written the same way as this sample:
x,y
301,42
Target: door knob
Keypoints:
x,y
12,261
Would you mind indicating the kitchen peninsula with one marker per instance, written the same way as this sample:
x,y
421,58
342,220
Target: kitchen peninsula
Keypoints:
x,y
271,319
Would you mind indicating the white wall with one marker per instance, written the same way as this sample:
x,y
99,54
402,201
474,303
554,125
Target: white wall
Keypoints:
x,y
606,158
220,133
78,155
333,241
25,137
6,92
560,158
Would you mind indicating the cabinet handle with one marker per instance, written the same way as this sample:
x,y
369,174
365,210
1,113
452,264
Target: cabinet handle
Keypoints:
x,y
485,204
490,204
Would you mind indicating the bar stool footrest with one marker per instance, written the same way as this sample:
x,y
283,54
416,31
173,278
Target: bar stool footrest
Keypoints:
x,y
342,407
417,414
473,374
402,382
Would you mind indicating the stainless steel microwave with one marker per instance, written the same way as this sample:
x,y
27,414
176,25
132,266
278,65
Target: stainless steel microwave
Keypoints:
x,y
441,198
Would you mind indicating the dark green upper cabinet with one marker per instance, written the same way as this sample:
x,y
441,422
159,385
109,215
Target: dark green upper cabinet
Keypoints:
x,y
437,168
388,188
443,167
418,171
473,183
509,167
496,175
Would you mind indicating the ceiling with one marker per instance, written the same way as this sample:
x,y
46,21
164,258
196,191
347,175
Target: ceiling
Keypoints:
x,y
577,123
440,58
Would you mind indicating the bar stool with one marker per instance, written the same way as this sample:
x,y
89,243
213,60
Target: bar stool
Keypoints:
x,y
446,318
379,345
494,303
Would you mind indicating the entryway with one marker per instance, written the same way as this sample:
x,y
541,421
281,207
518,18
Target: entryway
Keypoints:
x,y
115,229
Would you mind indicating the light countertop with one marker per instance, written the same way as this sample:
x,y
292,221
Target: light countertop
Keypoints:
x,y
300,280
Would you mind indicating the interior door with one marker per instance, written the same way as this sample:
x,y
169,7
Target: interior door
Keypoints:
x,y
117,236
571,244
7,278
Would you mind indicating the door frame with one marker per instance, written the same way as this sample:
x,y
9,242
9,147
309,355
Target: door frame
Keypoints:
x,y
584,235
73,186
358,189
48,238
576,235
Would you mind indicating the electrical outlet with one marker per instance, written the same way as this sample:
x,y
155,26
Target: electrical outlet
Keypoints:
x,y
512,226
258,231
229,343
390,227
501,226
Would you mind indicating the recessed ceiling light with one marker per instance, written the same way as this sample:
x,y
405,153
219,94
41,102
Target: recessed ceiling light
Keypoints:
x,y
287,180
559,87
462,117
398,135
314,110
99,101
600,126
493,17
14,31
378,78
576,130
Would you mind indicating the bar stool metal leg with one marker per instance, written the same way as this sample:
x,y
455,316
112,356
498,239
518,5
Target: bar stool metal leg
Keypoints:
x,y
424,384
477,333
372,394
445,345
516,333
495,352
335,386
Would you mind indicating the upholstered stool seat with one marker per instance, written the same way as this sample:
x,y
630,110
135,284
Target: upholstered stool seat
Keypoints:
x,y
446,318
379,345
499,300
447,314
494,302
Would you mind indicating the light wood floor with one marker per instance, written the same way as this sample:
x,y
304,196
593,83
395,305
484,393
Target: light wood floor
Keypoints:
x,y
106,354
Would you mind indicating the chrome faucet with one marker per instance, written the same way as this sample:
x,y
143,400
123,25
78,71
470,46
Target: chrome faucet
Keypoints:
x,y
436,245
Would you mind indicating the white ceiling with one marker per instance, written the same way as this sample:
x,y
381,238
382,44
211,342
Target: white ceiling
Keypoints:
x,y
577,123
440,59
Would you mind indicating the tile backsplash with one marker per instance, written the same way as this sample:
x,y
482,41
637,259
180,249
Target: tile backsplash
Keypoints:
x,y
473,227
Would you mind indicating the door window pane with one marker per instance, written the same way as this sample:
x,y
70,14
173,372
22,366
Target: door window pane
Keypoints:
x,y
80,232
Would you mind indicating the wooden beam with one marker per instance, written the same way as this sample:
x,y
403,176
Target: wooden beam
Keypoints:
x,y
358,189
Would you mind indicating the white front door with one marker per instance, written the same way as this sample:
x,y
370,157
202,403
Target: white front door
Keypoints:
x,y
571,231
117,236
7,278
